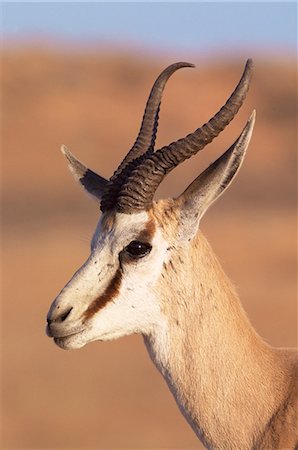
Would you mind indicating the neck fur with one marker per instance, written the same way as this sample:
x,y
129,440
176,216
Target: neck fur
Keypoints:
x,y
219,370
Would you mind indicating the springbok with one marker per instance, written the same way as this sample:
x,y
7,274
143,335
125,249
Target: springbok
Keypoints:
x,y
151,271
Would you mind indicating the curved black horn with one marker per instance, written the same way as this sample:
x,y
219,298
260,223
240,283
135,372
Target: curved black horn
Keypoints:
x,y
147,134
138,190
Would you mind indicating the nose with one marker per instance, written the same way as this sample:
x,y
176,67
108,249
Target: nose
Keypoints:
x,y
58,318
55,320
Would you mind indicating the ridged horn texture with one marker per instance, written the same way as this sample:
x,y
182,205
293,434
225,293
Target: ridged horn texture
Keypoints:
x,y
146,138
141,178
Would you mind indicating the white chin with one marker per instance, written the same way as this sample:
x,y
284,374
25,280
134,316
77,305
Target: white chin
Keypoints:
x,y
70,342
76,341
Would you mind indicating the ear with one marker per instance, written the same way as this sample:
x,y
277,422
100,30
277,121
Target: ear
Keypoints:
x,y
93,183
211,183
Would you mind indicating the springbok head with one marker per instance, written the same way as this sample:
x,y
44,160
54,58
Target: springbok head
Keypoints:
x,y
116,291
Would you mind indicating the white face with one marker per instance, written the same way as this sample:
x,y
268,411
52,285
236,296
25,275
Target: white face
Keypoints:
x,y
113,294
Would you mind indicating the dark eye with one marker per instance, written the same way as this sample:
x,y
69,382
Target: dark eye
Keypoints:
x,y
137,249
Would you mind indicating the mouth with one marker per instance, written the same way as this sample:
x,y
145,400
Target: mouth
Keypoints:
x,y
62,334
68,339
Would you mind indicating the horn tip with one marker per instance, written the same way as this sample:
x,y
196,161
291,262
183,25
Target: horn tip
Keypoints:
x,y
252,117
249,64
248,129
181,64
187,64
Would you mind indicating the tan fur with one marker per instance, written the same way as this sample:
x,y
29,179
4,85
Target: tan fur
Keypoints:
x,y
236,391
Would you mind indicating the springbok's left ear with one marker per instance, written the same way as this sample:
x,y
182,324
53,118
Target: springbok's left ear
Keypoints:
x,y
93,183
211,183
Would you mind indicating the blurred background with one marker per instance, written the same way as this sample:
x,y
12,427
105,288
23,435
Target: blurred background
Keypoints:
x,y
79,74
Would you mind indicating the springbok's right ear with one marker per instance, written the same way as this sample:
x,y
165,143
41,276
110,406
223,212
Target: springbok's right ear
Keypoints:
x,y
211,183
93,183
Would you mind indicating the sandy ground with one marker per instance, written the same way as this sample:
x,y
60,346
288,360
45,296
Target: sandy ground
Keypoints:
x,y
109,395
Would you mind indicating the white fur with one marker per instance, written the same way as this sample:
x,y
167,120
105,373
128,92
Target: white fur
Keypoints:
x,y
135,309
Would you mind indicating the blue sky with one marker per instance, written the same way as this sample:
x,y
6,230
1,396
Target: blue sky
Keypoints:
x,y
203,27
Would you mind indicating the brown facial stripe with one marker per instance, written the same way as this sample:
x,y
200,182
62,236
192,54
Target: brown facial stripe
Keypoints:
x,y
147,234
111,291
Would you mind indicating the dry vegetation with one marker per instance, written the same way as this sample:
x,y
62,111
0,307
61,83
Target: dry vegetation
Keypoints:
x,y
108,395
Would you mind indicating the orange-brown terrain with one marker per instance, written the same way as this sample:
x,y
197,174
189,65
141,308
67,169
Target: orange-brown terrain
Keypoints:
x,y
109,395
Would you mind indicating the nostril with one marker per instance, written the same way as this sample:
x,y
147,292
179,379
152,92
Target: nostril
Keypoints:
x,y
53,318
64,315
60,318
